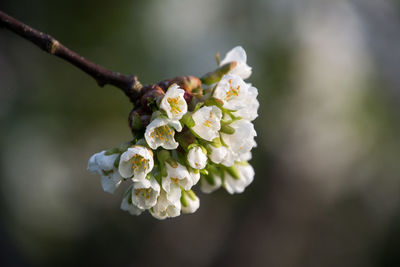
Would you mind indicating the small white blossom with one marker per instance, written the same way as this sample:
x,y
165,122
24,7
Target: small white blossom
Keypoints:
x,y
249,112
190,202
145,193
164,208
232,91
242,140
177,177
128,206
160,132
209,185
137,161
217,154
197,158
238,55
173,102
246,176
103,164
207,122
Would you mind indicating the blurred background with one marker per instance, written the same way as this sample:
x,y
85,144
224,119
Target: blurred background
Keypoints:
x,y
326,191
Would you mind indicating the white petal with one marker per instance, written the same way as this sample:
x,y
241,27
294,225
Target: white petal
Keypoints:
x,y
242,141
238,54
173,103
132,209
209,188
111,182
196,158
207,122
159,133
232,91
195,175
138,168
217,154
193,205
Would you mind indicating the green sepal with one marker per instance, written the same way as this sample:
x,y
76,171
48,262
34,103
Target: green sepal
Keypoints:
x,y
216,75
233,172
136,122
212,101
198,106
172,162
183,198
116,161
204,172
124,146
188,120
191,194
209,178
216,142
111,151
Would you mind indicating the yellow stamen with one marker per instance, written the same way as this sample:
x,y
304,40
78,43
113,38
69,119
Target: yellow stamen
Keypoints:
x,y
174,104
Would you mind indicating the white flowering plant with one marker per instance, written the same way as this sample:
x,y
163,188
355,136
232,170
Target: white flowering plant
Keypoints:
x,y
187,131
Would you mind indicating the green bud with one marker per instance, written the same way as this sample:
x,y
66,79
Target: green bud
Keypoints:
x,y
227,129
216,75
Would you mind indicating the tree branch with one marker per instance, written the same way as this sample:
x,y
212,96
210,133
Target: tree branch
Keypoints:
x,y
130,85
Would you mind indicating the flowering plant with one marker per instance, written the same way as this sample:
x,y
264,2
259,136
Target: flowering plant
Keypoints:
x,y
187,131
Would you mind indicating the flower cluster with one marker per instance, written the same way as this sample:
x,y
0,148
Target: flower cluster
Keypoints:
x,y
195,134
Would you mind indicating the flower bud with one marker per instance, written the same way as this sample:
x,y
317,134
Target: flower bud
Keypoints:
x,y
190,202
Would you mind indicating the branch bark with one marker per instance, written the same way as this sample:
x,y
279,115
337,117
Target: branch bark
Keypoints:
x,y
129,84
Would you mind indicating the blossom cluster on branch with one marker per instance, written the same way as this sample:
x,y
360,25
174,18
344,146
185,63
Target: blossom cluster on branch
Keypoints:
x,y
186,132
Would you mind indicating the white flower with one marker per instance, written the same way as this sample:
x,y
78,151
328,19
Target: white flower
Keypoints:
x,y
207,122
190,202
103,164
210,183
137,161
232,91
242,140
249,112
238,55
173,102
195,176
197,158
246,176
160,132
128,206
165,208
230,158
217,154
145,193
177,177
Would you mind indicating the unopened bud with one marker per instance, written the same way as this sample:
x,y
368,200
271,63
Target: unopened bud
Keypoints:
x,y
216,75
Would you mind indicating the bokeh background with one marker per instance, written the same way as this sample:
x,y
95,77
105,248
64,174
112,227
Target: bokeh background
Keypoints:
x,y
326,191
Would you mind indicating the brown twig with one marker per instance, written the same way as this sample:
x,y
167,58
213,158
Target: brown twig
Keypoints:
x,y
127,83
